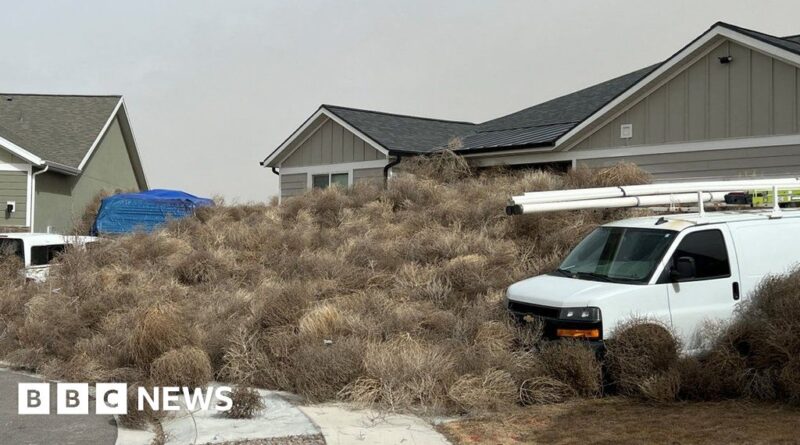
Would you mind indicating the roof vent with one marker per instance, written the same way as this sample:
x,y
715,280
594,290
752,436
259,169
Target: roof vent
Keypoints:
x,y
9,99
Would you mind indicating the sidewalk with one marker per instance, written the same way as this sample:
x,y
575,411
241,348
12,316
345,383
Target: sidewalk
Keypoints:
x,y
284,423
279,419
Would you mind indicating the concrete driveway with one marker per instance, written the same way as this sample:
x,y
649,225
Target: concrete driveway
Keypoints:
x,y
51,429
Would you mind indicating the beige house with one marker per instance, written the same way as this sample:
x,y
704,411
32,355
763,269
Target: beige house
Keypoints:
x,y
726,105
57,152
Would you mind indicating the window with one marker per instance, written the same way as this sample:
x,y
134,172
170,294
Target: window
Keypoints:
x,y
320,181
10,246
617,254
708,250
41,255
326,180
339,179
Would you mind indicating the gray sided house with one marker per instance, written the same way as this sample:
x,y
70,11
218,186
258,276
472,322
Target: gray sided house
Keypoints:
x,y
344,146
726,105
57,152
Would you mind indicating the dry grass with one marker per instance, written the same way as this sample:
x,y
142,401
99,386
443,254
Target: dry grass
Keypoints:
x,y
157,330
575,364
544,391
642,360
187,366
755,356
83,225
247,403
389,298
494,390
392,298
616,420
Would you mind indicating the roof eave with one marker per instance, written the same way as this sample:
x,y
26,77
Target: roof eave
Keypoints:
x,y
484,150
21,152
61,168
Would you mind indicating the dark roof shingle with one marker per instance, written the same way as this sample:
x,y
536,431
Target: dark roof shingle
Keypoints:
x,y
539,125
402,133
543,124
787,44
56,128
573,107
795,39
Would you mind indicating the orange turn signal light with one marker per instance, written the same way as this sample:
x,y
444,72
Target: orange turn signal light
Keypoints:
x,y
579,333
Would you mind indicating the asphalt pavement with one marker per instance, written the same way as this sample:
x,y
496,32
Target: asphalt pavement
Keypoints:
x,y
49,429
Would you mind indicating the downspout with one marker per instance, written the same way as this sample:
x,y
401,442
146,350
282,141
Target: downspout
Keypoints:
x,y
33,194
276,172
388,167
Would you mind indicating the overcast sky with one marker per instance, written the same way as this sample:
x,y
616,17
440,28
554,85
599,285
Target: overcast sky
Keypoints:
x,y
213,86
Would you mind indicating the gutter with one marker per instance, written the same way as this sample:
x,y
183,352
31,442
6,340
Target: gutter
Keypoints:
x,y
61,168
33,195
387,167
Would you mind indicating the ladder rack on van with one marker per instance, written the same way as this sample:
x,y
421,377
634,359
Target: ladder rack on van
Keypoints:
x,y
753,192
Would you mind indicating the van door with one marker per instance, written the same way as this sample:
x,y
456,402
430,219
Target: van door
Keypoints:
x,y
703,282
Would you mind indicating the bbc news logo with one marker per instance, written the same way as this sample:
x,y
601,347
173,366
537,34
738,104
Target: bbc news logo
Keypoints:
x,y
111,398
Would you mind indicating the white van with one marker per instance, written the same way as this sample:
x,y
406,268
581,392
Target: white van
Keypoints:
x,y
37,250
683,270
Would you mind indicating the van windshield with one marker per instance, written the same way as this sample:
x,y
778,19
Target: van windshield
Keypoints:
x,y
617,254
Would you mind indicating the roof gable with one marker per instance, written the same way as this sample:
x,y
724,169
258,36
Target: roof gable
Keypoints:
x,y
780,49
385,132
329,143
56,128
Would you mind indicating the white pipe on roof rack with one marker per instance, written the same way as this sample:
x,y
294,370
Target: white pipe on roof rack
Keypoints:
x,y
651,189
629,201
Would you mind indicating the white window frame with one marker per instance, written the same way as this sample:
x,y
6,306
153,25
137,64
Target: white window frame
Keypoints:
x,y
346,167
310,177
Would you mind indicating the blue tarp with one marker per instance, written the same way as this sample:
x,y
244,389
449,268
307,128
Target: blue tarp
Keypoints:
x,y
144,211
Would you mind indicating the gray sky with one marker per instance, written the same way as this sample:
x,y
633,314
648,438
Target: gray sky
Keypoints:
x,y
213,87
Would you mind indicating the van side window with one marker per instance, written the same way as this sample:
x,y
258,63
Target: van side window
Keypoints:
x,y
709,252
41,255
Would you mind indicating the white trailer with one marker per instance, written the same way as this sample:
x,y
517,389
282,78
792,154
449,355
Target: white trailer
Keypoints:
x,y
37,250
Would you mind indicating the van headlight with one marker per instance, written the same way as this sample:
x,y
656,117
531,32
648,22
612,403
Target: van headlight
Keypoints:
x,y
580,314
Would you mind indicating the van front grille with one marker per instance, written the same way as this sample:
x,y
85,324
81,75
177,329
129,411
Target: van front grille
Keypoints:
x,y
532,309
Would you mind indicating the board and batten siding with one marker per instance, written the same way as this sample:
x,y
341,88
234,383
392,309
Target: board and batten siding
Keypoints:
x,y
712,164
331,144
14,187
330,148
753,95
293,184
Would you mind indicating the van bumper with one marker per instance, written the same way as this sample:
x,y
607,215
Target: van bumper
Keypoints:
x,y
550,325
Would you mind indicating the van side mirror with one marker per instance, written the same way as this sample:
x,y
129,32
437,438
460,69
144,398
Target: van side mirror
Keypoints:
x,y
683,269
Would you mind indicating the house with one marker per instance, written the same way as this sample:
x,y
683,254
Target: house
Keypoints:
x,y
725,105
57,152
